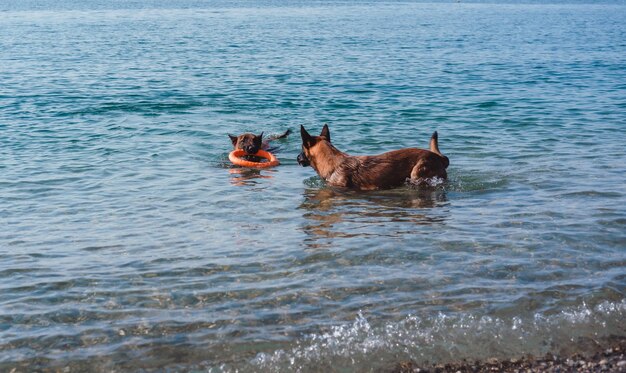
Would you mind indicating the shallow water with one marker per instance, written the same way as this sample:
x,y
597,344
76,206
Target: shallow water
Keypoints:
x,y
129,242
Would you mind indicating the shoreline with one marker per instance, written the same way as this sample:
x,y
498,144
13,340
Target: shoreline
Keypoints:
x,y
606,357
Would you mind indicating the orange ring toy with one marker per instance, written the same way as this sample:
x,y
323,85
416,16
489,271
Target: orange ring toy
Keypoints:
x,y
235,154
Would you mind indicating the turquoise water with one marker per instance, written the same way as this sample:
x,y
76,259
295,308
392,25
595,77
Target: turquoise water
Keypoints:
x,y
128,241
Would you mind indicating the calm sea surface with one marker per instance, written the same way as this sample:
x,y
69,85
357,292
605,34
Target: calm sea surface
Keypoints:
x,y
128,241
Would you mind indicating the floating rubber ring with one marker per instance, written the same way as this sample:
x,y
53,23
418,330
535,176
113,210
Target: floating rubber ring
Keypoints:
x,y
235,155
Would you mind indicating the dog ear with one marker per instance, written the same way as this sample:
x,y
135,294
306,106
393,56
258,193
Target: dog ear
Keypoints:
x,y
233,139
258,139
307,139
326,132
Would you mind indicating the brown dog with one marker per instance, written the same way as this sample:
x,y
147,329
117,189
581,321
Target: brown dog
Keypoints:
x,y
387,170
251,143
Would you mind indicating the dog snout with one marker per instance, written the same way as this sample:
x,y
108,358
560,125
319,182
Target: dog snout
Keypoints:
x,y
303,160
250,149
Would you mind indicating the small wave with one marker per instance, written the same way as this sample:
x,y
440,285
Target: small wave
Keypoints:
x,y
487,104
444,338
141,107
475,181
593,193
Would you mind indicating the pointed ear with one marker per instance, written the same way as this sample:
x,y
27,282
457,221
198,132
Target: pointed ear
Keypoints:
x,y
258,139
326,132
307,140
233,139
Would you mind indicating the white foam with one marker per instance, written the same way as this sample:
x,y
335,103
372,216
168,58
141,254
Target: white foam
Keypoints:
x,y
443,337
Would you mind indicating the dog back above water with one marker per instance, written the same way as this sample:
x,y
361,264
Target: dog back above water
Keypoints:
x,y
383,171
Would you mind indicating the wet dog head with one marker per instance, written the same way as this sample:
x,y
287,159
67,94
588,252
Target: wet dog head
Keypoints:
x,y
308,145
249,142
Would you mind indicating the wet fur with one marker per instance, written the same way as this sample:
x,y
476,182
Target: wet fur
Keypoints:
x,y
384,171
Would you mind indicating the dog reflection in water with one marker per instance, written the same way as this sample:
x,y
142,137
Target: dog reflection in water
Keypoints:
x,y
343,213
248,176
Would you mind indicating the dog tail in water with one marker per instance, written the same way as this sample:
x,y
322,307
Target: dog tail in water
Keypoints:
x,y
434,147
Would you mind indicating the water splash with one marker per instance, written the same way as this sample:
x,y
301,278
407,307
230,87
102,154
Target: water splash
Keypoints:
x,y
443,337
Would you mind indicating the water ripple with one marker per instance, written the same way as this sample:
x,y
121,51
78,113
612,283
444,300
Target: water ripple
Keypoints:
x,y
129,241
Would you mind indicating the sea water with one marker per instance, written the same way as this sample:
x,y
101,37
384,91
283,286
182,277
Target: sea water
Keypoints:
x,y
129,242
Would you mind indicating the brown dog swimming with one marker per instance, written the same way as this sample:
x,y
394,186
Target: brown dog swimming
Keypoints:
x,y
384,171
252,143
